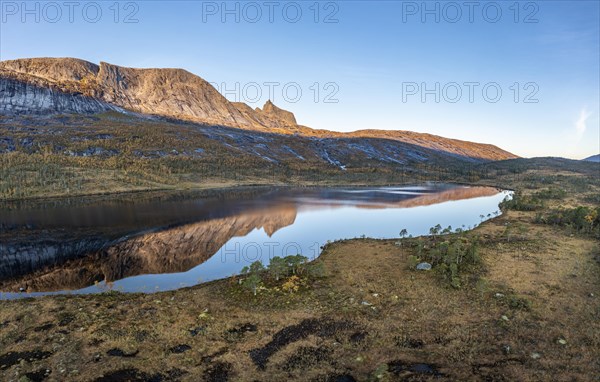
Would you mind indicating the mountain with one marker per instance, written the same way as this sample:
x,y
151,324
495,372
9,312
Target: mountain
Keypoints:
x,y
68,85
593,158
42,86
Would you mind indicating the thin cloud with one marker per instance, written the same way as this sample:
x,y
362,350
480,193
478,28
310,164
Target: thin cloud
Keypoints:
x,y
574,135
581,124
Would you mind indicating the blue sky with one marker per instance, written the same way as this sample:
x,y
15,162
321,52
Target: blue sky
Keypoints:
x,y
369,60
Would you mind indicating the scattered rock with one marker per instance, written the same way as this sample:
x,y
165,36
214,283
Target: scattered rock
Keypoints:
x,y
536,355
424,267
562,341
93,151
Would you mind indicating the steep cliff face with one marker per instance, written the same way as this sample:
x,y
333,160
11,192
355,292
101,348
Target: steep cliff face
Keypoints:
x,y
169,92
20,97
48,85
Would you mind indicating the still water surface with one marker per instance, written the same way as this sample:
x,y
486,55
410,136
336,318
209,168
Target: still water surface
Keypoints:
x,y
160,243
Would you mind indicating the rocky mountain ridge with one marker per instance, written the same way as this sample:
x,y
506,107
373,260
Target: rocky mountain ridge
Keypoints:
x,y
73,85
69,85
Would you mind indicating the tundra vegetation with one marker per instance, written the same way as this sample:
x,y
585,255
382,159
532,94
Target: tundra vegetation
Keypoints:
x,y
287,274
69,155
515,298
448,253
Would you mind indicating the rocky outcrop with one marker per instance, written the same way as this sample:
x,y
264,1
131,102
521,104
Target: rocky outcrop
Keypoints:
x,y
20,97
173,93
269,116
56,70
277,115
49,84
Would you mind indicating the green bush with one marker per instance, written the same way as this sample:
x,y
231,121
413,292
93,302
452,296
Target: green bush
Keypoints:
x,y
518,303
447,257
519,202
551,193
278,268
253,276
413,261
581,219
294,267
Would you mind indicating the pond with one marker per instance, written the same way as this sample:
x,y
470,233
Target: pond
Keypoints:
x,y
157,242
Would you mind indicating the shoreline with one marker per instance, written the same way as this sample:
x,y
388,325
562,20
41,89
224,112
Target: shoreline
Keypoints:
x,y
232,187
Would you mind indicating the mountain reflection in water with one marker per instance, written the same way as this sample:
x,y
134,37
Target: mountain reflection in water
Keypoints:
x,y
166,242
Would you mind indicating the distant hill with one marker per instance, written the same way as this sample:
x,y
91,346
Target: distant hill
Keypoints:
x,y
43,86
593,158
